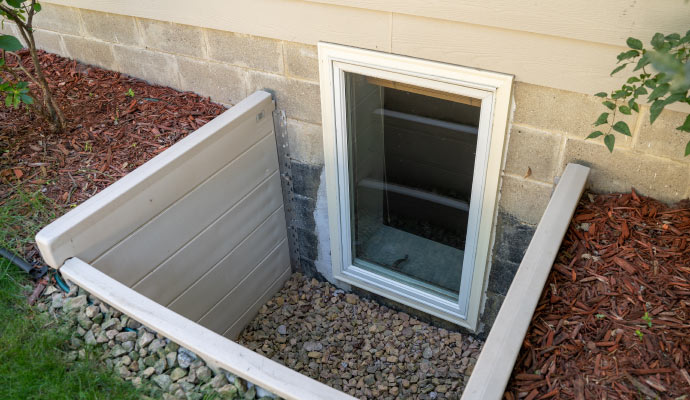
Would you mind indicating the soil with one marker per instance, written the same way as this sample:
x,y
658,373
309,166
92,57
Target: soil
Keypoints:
x,y
613,321
115,124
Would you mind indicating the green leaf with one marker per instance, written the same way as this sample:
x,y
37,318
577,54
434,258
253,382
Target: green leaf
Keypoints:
x,y
595,134
603,118
634,43
10,43
659,91
650,83
618,68
656,109
642,62
609,141
625,110
609,105
27,99
658,40
686,125
674,38
633,105
601,94
627,54
37,7
8,100
687,149
640,91
622,127
15,3
633,79
619,94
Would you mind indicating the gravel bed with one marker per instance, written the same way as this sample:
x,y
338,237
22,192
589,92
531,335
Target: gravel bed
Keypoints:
x,y
358,346
160,367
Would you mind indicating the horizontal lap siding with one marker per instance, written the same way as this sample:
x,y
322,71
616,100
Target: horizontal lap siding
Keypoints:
x,y
167,232
204,251
232,269
199,224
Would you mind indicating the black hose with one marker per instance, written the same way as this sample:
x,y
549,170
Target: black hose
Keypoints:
x,y
36,273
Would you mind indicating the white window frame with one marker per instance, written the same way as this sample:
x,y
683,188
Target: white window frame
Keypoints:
x,y
494,91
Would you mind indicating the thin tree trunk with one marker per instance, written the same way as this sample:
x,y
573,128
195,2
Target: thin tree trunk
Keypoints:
x,y
51,107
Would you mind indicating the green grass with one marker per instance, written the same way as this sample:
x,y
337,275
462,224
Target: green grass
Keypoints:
x,y
32,344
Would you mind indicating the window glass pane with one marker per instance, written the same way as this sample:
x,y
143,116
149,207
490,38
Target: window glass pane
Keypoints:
x,y
411,163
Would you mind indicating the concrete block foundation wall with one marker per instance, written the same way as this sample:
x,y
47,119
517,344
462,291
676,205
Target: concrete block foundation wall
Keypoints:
x,y
547,128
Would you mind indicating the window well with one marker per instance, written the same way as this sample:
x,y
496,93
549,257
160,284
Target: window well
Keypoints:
x,y
413,152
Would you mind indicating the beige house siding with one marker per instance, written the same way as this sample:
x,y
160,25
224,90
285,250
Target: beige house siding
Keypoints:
x,y
562,45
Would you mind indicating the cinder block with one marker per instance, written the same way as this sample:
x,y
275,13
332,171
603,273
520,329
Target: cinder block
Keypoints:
x,y
59,19
512,238
173,38
664,179
561,111
306,141
223,83
49,41
501,275
306,179
489,313
90,51
108,27
533,150
524,199
662,138
154,67
245,51
299,99
8,28
301,61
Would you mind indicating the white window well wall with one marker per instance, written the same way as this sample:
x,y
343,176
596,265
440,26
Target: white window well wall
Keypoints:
x,y
413,153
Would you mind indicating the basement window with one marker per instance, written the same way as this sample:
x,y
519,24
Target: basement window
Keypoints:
x,y
413,154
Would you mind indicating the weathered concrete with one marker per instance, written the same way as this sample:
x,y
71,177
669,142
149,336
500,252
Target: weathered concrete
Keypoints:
x,y
301,61
223,83
245,51
525,199
173,38
661,178
560,111
157,68
59,19
530,149
662,138
300,99
121,29
89,51
48,41
306,142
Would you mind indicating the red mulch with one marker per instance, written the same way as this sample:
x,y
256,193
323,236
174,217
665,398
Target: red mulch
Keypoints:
x,y
110,133
613,321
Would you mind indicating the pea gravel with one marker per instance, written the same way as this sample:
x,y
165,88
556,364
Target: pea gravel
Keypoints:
x,y
358,346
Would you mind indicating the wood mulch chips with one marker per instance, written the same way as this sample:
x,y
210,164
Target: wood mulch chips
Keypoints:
x,y
116,123
613,321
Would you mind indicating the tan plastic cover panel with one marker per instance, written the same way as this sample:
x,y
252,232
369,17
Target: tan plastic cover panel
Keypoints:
x,y
193,227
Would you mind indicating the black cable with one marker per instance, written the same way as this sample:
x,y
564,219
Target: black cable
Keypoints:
x,y
35,273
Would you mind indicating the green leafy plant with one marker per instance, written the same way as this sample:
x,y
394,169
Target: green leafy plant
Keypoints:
x,y
600,316
13,83
646,318
664,77
639,334
130,92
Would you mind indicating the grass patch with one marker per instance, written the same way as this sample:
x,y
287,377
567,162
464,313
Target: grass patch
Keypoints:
x,y
33,363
